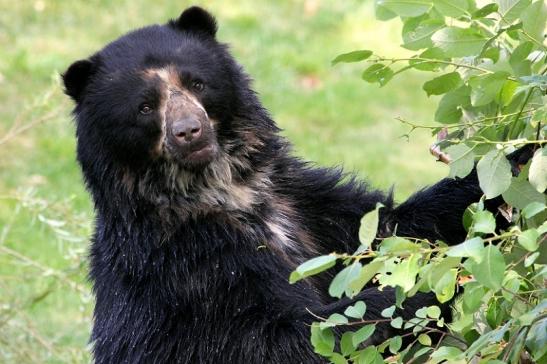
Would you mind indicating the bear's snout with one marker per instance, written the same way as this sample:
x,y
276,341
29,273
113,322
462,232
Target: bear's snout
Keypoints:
x,y
189,134
186,130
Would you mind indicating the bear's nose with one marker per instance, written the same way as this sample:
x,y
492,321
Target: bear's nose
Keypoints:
x,y
185,130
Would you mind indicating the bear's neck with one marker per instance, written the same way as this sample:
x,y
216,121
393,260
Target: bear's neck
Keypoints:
x,y
204,256
173,236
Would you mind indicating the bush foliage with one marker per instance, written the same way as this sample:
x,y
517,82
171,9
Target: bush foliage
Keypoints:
x,y
488,65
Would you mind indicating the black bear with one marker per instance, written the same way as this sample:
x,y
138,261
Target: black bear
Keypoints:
x,y
203,212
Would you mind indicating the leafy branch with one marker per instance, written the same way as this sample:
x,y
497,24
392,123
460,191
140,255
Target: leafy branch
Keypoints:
x,y
488,68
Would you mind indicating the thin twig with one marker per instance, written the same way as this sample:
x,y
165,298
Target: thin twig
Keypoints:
x,y
61,276
479,121
15,131
427,60
441,156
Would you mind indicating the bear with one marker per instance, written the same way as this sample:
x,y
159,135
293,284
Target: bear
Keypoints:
x,y
202,210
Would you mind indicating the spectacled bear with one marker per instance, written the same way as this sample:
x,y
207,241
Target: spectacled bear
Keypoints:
x,y
202,211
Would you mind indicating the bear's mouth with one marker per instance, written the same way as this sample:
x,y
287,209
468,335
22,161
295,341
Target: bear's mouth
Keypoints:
x,y
195,158
202,156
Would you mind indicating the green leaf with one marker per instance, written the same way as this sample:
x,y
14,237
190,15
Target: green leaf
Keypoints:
x,y
471,248
485,11
529,240
450,107
421,352
448,353
406,8
494,173
338,359
424,339
537,341
534,19
485,89
538,170
340,283
467,218
445,286
377,73
442,84
511,9
494,315
382,347
518,59
531,259
346,343
334,320
382,13
312,266
507,92
489,337
398,245
369,227
369,356
429,64
417,32
491,53
521,194
388,312
421,313
434,312
397,322
322,340
511,284
366,274
357,310
395,344
484,222
489,271
413,322
462,160
532,209
473,294
437,271
452,8
404,273
362,334
354,56
459,42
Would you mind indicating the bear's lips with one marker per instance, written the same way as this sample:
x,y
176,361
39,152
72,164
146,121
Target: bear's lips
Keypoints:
x,y
202,155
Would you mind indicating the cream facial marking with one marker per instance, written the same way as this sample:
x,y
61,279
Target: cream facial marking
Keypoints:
x,y
173,95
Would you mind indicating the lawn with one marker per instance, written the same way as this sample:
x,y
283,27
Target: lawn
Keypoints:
x,y
332,117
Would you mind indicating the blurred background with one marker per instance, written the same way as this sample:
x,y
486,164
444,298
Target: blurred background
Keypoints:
x,y
332,117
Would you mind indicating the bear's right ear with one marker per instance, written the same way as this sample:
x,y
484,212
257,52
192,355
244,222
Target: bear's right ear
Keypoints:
x,y
196,19
77,77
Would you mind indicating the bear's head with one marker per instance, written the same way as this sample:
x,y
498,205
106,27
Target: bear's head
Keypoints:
x,y
166,108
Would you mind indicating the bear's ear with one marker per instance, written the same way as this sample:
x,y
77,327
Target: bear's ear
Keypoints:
x,y
196,19
77,77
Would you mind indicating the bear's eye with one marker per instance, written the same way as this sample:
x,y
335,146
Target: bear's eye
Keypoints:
x,y
145,109
198,86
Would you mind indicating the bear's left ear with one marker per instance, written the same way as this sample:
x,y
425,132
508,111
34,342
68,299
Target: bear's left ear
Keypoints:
x,y
77,77
196,19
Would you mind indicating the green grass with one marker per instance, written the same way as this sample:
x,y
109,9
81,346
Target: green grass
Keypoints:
x,y
332,117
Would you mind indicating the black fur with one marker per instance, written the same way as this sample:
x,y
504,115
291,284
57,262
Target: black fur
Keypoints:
x,y
196,19
192,265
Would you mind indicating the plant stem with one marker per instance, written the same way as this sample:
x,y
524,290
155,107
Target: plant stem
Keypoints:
x,y
516,120
427,60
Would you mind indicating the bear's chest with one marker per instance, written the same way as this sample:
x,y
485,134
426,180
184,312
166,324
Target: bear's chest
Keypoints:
x,y
209,290
222,311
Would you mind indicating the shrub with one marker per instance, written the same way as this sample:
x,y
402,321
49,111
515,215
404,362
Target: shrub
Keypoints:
x,y
488,64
